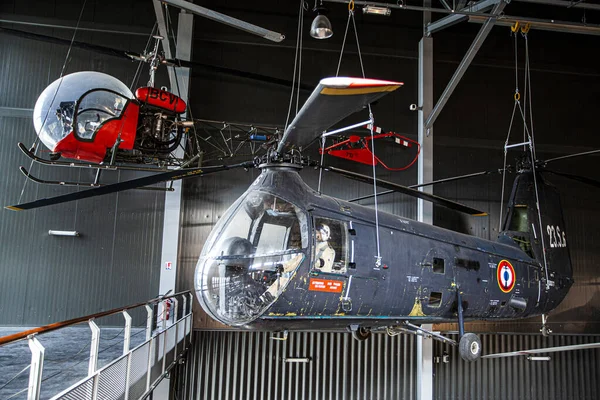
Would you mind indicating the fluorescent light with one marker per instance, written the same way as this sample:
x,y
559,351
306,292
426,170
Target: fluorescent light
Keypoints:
x,y
538,358
377,10
63,233
297,360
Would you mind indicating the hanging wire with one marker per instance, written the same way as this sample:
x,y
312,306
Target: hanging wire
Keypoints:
x,y
297,63
371,128
62,72
350,15
321,169
529,92
371,125
528,138
15,377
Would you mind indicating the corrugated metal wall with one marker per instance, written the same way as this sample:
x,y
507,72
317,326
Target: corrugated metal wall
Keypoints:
x,y
116,260
568,375
251,366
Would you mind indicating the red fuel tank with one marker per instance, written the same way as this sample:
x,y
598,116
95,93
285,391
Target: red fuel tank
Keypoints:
x,y
161,99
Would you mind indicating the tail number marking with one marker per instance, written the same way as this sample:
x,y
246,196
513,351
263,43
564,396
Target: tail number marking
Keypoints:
x,y
557,237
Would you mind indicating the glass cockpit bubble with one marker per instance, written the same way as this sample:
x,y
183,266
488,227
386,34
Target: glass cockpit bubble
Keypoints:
x,y
55,109
250,257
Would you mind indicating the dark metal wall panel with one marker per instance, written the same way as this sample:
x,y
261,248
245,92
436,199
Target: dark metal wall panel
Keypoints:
x,y
251,365
116,260
568,375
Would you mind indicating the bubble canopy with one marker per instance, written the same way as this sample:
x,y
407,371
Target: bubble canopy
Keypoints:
x,y
63,101
250,257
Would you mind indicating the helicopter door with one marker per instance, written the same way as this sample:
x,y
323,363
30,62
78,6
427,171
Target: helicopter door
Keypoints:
x,y
365,294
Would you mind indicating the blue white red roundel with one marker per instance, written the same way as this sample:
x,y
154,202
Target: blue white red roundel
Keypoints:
x,y
506,276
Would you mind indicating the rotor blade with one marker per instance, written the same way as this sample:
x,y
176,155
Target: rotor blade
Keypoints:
x,y
235,72
547,350
50,39
445,180
585,153
332,100
136,56
131,184
577,178
440,201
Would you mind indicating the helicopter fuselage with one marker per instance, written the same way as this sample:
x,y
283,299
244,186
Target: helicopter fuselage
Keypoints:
x,y
404,270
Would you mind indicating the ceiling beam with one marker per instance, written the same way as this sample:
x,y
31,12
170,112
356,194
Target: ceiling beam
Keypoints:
x,y
452,19
466,61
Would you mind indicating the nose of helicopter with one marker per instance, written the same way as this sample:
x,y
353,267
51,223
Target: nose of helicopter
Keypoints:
x,y
250,257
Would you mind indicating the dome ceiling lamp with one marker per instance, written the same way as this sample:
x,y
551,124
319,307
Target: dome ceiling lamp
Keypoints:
x,y
321,26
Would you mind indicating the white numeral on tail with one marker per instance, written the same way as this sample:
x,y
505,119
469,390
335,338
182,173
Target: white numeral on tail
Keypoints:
x,y
557,237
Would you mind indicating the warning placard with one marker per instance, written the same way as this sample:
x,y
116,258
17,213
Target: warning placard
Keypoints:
x,y
326,285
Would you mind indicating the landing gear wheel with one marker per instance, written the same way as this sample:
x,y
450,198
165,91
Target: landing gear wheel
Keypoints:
x,y
361,334
469,347
546,331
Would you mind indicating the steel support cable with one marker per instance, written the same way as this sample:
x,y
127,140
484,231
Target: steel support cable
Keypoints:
x,y
304,6
362,68
15,377
297,57
529,92
504,164
527,135
62,71
337,73
533,157
526,94
371,128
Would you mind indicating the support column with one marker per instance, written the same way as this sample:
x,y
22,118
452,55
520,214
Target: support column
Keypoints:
x,y
180,84
180,80
425,209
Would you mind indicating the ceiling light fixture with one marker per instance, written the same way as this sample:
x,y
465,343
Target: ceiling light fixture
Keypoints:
x,y
376,10
321,26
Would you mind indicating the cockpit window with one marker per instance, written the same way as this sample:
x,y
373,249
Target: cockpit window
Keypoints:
x,y
259,246
331,249
55,109
96,107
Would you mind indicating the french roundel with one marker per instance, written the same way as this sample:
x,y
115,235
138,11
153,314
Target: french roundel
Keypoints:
x,y
506,276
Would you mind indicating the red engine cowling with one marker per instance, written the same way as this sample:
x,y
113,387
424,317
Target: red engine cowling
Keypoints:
x,y
161,99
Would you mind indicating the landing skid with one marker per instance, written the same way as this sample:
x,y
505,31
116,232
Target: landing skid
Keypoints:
x,y
40,160
81,184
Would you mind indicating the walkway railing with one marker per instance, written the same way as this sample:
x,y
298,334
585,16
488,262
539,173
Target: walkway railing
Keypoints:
x,y
139,370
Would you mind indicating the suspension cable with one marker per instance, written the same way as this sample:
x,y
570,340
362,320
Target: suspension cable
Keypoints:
x,y
371,124
528,139
350,14
62,72
297,63
529,92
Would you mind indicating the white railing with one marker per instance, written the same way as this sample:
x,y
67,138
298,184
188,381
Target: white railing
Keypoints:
x,y
137,371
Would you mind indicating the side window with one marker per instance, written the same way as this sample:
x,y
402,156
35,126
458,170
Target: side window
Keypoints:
x,y
331,246
519,221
